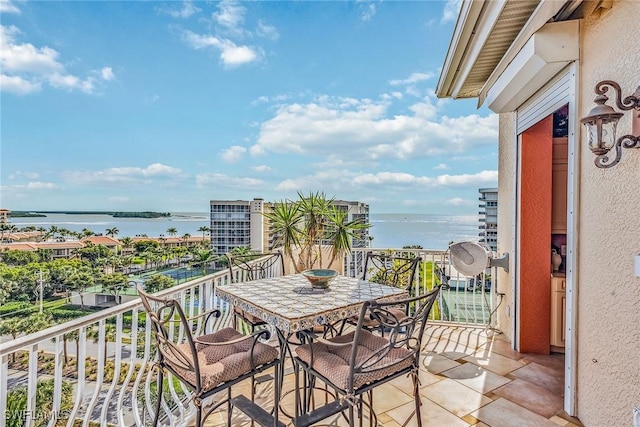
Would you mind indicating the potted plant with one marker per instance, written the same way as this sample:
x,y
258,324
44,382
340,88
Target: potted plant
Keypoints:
x,y
309,225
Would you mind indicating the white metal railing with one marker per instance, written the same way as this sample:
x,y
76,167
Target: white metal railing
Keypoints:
x,y
107,374
110,384
464,300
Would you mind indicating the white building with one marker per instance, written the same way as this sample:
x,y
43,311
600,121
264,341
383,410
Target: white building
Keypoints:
x,y
489,217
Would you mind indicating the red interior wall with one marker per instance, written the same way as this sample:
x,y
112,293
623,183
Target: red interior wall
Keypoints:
x,y
535,237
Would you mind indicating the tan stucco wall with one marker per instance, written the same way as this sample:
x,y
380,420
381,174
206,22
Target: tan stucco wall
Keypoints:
x,y
507,152
609,234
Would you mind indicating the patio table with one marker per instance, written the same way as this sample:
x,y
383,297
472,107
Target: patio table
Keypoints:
x,y
290,304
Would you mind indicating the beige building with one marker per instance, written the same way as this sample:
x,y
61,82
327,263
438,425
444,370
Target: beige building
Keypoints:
x,y
4,216
537,63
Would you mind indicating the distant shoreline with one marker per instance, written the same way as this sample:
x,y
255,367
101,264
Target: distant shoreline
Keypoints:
x,y
42,214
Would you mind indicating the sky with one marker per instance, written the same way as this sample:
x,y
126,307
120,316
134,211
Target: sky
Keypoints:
x,y
164,106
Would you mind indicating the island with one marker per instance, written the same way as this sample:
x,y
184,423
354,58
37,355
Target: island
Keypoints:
x,y
42,214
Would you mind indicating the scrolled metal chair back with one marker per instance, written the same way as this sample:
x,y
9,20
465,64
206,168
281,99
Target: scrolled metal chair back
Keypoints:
x,y
169,325
404,332
255,266
388,269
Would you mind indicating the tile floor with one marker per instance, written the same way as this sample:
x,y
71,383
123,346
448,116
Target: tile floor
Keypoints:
x,y
469,377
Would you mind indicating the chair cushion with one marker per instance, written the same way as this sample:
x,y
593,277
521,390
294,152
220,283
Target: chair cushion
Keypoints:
x,y
222,363
333,362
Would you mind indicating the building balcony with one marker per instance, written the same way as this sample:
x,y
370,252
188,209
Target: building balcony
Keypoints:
x,y
469,373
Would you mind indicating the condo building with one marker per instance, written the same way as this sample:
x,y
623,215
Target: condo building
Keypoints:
x,y
241,223
489,217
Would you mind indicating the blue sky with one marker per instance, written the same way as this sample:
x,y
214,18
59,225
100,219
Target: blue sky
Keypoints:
x,y
166,105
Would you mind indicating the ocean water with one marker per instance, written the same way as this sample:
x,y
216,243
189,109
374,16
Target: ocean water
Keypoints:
x,y
388,230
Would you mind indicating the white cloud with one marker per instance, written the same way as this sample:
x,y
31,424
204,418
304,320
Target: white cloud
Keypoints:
x,y
368,11
364,129
18,85
185,11
458,201
268,31
126,174
7,6
230,53
230,15
261,169
26,67
413,78
406,179
450,12
441,166
233,154
221,180
20,174
107,74
41,186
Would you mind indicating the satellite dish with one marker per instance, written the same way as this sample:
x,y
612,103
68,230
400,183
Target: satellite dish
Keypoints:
x,y
472,258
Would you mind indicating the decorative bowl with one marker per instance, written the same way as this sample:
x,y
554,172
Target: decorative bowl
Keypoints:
x,y
320,277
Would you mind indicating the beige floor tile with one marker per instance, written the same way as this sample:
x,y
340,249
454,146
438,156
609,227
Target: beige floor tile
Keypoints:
x,y
503,413
548,378
436,363
498,346
432,415
387,397
531,396
496,363
455,397
405,383
559,421
476,377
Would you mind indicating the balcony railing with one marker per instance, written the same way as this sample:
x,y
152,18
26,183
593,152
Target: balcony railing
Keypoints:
x,y
97,368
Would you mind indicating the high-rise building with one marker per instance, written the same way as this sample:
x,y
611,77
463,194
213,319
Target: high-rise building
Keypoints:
x,y
241,223
4,216
489,217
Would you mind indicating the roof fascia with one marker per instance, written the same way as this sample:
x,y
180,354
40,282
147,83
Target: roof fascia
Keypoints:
x,y
464,30
482,31
545,11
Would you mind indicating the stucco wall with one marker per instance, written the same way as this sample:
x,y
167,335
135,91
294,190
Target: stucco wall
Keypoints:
x,y
609,206
506,193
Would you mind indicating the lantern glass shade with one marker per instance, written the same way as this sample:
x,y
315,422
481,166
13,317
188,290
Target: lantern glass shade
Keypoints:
x,y
602,131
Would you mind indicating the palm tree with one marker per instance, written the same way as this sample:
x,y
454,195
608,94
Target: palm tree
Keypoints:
x,y
112,232
342,232
285,220
204,230
172,231
203,257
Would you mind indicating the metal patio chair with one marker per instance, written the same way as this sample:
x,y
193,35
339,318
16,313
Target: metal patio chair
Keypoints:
x,y
387,269
352,365
210,363
253,266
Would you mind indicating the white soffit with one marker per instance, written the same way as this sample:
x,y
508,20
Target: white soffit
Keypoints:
x,y
547,52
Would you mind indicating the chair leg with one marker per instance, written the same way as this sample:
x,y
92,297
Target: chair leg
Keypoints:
x,y
160,378
416,396
229,407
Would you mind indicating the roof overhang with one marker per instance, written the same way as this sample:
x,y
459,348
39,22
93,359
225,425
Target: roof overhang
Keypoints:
x,y
487,37
547,52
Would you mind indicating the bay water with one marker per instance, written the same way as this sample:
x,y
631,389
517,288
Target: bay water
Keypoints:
x,y
388,230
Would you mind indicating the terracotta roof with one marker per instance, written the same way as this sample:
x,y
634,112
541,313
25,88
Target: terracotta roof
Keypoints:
x,y
102,240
